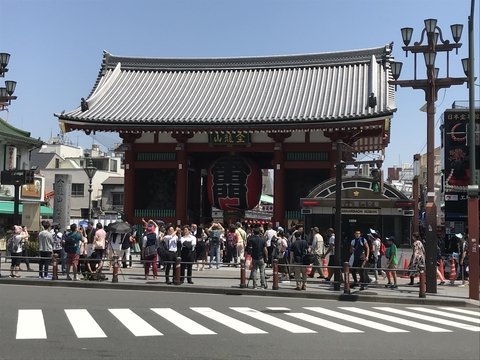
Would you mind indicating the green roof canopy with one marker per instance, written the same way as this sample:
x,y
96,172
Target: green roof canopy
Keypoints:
x,y
6,208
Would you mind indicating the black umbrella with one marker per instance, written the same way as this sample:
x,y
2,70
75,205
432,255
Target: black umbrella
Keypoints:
x,y
119,227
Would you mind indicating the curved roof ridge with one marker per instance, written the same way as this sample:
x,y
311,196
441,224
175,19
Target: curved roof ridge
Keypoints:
x,y
245,62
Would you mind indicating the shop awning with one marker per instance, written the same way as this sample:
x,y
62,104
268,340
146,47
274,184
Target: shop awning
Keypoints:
x,y
6,208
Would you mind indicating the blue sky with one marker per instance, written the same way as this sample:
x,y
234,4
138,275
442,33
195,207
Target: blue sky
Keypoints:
x,y
56,47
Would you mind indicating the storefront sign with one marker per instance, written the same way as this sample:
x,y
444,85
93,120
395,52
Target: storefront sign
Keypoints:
x,y
10,157
360,212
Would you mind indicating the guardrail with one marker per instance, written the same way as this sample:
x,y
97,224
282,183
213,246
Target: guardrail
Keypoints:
x,y
177,267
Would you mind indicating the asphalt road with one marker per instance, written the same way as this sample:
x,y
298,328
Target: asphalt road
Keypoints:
x,y
69,323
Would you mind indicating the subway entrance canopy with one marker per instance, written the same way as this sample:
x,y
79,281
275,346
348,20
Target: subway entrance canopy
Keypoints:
x,y
195,130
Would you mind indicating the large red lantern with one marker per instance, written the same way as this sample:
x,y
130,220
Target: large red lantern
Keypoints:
x,y
234,183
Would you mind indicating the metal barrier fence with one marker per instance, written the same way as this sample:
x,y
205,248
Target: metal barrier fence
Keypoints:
x,y
177,266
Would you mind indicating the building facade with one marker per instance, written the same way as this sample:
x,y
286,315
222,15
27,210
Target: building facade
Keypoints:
x,y
189,124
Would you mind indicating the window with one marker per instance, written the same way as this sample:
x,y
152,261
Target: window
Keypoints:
x,y
113,165
78,190
57,163
117,199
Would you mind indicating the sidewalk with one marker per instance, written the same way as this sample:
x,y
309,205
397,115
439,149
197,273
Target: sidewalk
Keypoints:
x,y
226,280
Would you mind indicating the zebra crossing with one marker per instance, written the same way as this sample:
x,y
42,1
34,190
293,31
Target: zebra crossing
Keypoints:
x,y
31,323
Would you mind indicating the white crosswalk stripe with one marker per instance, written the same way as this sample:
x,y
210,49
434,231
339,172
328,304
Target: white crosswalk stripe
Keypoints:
x,y
445,314
31,322
84,324
31,325
396,320
357,320
134,323
325,323
429,318
183,322
269,319
462,311
229,321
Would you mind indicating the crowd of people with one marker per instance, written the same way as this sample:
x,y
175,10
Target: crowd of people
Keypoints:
x,y
82,251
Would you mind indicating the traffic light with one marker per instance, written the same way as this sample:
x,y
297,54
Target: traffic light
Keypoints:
x,y
376,180
29,177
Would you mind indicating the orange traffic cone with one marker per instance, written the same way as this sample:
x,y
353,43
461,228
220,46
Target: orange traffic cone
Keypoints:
x,y
440,268
453,272
309,270
325,269
405,268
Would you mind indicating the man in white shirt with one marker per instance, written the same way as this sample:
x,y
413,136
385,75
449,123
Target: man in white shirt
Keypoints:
x,y
269,234
318,249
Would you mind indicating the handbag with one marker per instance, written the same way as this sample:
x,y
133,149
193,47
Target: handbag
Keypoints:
x,y
98,244
150,250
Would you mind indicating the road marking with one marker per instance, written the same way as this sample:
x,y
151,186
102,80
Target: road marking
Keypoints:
x,y
31,325
288,326
229,321
463,311
324,323
277,308
134,323
396,320
356,320
429,318
84,324
183,322
445,314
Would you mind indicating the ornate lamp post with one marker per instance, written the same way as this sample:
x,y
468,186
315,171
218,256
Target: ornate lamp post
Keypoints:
x,y
6,93
90,170
435,43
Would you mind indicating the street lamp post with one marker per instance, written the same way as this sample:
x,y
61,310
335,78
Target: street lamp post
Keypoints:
x,y
435,43
6,93
90,170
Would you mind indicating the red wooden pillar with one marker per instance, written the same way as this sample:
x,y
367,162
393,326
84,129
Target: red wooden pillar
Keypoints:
x,y
181,196
278,186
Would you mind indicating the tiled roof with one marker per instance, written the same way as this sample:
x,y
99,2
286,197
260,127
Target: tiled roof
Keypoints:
x,y
113,180
167,93
14,135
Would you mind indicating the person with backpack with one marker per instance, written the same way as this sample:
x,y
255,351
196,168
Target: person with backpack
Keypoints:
x,y
361,252
392,261
14,247
259,252
232,241
215,234
298,251
71,245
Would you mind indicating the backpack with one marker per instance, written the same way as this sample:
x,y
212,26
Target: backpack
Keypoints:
x,y
70,244
12,247
359,249
215,239
383,248
371,255
232,240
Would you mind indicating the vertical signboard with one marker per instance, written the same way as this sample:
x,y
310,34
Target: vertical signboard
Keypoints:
x,y
457,168
61,207
10,157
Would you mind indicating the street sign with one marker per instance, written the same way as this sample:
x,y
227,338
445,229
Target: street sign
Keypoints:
x,y
17,177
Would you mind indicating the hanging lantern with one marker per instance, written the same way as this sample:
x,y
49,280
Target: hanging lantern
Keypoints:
x,y
234,183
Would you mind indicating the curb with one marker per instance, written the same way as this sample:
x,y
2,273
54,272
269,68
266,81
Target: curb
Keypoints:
x,y
354,297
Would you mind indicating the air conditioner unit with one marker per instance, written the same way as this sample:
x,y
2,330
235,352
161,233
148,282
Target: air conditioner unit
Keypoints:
x,y
307,211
